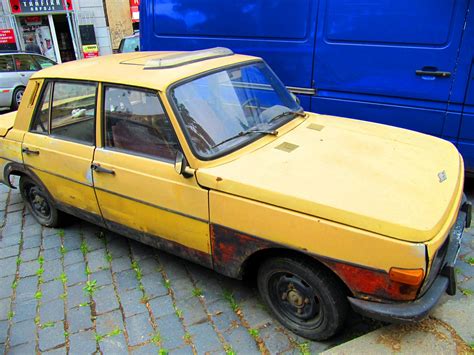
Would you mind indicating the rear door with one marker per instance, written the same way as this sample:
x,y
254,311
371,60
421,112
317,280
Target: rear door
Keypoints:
x,y
60,144
395,54
25,67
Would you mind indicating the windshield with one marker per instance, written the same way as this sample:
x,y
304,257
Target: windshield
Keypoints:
x,y
223,111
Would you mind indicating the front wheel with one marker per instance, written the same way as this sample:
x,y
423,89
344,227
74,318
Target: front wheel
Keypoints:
x,y
38,203
307,300
17,97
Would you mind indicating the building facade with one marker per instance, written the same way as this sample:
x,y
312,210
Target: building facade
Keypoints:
x,y
65,30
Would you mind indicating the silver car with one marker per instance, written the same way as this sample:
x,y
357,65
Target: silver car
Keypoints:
x,y
15,70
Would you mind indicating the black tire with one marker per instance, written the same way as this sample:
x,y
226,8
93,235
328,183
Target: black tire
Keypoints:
x,y
16,97
39,204
305,299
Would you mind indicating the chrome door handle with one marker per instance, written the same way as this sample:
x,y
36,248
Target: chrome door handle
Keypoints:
x,y
98,169
26,150
435,73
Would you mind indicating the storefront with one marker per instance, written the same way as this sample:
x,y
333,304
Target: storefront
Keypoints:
x,y
62,30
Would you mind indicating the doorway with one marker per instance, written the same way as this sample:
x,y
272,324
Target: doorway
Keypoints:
x,y
64,38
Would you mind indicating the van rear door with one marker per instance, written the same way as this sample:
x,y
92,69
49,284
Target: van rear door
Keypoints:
x,y
390,62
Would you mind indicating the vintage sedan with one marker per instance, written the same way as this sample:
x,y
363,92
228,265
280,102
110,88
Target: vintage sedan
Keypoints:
x,y
206,155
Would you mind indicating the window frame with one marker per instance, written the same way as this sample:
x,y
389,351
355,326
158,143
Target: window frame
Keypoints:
x,y
103,125
40,98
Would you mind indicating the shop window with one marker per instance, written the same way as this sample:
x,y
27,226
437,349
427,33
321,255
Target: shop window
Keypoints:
x,y
24,62
136,123
6,63
41,122
73,111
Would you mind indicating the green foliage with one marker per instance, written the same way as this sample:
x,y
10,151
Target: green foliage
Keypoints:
x,y
38,295
162,352
156,339
47,325
467,292
304,349
40,271
167,283
108,257
137,270
18,261
61,233
90,287
62,278
197,292
41,260
470,260
63,250
229,296
11,314
228,350
84,248
14,284
254,333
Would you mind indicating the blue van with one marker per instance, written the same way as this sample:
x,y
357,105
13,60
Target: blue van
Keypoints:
x,y
404,63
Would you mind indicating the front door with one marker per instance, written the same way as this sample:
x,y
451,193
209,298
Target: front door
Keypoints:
x,y
60,145
138,190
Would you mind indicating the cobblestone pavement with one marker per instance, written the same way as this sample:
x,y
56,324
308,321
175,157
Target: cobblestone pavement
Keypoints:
x,y
82,289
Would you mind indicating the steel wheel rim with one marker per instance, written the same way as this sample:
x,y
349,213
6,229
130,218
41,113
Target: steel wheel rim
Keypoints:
x,y
18,97
294,298
38,202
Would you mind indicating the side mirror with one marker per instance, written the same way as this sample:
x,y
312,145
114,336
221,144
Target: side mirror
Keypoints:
x,y
181,165
296,98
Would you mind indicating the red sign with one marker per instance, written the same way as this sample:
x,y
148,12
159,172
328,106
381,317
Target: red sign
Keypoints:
x,y
7,36
134,10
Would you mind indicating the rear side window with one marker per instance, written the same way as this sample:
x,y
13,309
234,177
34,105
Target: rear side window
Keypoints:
x,y
66,110
73,111
6,63
24,62
135,122
44,62
41,122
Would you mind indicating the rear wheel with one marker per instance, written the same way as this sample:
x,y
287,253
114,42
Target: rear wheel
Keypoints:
x,y
38,203
17,97
307,300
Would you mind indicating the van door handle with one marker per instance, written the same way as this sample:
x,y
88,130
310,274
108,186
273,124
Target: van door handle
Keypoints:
x,y
433,72
26,150
98,169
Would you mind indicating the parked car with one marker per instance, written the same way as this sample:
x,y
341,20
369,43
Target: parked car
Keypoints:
x,y
16,69
130,43
206,155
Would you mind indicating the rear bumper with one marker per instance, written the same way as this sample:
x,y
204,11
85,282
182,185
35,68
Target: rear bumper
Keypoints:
x,y
444,282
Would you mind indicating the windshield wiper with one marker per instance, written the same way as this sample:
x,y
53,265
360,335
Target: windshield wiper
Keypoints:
x,y
287,113
246,132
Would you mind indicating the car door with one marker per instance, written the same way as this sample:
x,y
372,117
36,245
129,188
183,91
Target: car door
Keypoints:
x,y
139,192
25,67
60,144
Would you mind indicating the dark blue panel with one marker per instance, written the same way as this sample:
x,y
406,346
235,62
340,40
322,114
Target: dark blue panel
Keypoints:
x,y
370,57
280,31
467,151
284,19
389,21
401,116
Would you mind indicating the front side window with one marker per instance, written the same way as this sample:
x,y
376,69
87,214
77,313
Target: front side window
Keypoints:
x,y
135,122
44,62
73,111
24,62
222,111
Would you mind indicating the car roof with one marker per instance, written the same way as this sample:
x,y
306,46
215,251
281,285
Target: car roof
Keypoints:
x,y
129,69
18,52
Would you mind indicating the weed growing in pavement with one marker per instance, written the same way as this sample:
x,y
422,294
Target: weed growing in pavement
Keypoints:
x,y
145,299
11,314
84,248
18,261
228,350
63,296
108,257
40,271
162,352
115,332
179,313
229,296
66,334
167,283
37,320
38,295
14,284
137,270
63,250
304,349
467,292
197,292
61,233
62,278
470,260
90,287
47,325
254,333
85,304
187,338
98,337
156,339
41,260
88,270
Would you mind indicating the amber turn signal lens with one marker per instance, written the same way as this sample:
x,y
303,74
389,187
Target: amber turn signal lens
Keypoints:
x,y
407,276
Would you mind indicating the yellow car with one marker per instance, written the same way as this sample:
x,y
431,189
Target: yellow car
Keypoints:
x,y
206,155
